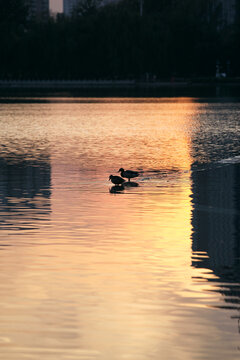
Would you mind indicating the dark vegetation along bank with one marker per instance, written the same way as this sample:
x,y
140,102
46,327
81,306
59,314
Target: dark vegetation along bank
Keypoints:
x,y
172,38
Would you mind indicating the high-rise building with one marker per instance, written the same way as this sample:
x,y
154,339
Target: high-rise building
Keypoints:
x,y
38,9
68,6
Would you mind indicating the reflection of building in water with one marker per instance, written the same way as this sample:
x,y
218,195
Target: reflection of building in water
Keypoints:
x,y
214,218
24,192
216,226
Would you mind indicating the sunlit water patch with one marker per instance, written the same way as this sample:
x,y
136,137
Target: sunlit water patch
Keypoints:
x,y
89,271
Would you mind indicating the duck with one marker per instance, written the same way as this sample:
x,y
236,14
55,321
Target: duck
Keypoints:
x,y
117,180
128,174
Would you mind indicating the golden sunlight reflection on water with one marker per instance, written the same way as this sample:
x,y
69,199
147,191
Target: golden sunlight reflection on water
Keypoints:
x,y
87,274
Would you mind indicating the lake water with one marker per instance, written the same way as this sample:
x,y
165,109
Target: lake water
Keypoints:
x,y
145,273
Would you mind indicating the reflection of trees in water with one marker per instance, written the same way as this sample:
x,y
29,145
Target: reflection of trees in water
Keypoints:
x,y
24,192
216,227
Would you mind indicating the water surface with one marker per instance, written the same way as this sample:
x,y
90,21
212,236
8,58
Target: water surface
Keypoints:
x,y
147,272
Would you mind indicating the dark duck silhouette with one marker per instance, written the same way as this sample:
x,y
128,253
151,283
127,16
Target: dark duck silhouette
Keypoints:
x,y
128,174
117,180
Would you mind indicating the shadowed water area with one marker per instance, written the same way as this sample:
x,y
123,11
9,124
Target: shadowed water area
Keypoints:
x,y
139,273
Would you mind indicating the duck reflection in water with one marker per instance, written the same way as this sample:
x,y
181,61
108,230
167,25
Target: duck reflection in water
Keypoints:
x,y
116,189
130,184
120,188
120,184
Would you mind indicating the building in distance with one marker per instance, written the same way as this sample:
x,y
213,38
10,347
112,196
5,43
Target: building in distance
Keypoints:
x,y
38,9
68,6
227,8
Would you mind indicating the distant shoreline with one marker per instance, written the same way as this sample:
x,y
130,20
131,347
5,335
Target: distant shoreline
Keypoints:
x,y
85,84
20,89
111,84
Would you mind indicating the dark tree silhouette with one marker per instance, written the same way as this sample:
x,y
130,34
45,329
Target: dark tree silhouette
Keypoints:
x,y
183,38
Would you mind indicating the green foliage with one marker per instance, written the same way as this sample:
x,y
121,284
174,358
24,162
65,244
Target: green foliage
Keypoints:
x,y
173,37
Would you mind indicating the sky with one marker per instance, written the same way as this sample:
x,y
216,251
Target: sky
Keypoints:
x,y
56,5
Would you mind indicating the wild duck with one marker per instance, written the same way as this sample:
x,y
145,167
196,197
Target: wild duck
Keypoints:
x,y
128,174
117,180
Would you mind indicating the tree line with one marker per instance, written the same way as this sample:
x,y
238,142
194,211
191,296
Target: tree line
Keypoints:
x,y
181,38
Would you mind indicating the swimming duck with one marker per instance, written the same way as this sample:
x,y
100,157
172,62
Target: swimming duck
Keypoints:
x,y
128,174
117,180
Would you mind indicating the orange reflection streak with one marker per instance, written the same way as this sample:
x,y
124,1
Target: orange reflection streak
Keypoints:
x,y
133,243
